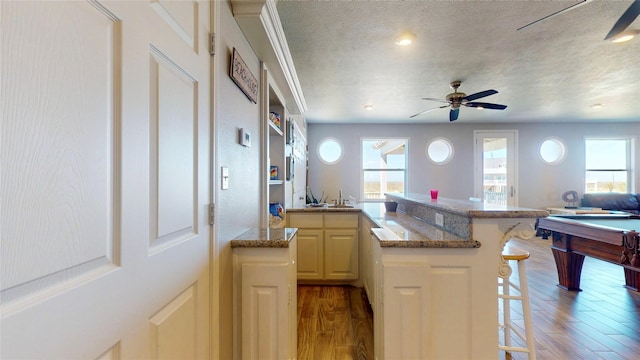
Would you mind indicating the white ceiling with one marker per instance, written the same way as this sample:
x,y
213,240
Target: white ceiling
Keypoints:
x,y
554,70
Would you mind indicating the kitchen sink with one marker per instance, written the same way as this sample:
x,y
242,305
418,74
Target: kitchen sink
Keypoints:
x,y
343,206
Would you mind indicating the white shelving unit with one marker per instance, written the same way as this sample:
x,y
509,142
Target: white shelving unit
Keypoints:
x,y
274,148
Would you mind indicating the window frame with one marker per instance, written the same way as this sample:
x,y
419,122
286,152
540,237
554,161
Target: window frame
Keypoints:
x,y
630,144
364,170
561,144
337,142
449,145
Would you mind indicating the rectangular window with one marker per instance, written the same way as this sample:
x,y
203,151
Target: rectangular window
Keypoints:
x,y
384,165
608,165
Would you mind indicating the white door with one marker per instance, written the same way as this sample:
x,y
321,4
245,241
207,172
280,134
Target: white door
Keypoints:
x,y
105,179
495,159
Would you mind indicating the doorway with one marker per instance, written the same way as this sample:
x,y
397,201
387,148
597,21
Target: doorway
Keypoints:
x,y
495,161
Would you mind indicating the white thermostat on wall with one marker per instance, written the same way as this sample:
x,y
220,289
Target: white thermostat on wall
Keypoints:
x,y
245,138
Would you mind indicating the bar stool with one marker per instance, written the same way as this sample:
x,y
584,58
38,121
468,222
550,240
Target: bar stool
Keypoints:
x,y
511,253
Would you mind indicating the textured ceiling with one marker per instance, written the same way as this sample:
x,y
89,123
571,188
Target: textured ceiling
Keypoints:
x,y
553,70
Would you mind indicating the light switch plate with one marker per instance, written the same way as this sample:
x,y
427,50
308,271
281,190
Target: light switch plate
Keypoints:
x,y
225,178
439,219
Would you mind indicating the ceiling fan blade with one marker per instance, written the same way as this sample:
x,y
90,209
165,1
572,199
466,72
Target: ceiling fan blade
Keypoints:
x,y
479,95
571,7
439,100
486,105
453,114
426,111
625,20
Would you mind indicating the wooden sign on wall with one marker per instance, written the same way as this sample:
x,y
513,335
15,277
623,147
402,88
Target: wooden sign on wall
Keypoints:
x,y
242,76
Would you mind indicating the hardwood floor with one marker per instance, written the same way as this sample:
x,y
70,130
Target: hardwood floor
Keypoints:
x,y
334,322
600,322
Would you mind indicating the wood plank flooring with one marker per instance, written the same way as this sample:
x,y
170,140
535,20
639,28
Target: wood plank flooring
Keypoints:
x,y
334,322
600,322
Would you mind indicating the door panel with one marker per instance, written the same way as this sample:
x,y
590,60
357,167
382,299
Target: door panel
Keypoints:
x,y
173,150
105,177
57,203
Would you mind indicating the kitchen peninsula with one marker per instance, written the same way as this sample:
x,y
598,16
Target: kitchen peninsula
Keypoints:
x,y
437,296
430,272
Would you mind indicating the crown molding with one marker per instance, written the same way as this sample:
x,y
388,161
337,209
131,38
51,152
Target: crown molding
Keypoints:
x,y
260,23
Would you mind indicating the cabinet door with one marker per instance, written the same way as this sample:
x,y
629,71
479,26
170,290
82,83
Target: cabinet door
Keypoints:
x,y
377,303
407,325
293,298
366,260
265,311
310,254
341,254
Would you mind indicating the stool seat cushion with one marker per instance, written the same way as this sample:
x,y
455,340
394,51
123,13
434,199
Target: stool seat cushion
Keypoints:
x,y
514,253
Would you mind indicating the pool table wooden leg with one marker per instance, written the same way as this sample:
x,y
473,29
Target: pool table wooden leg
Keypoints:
x,y
569,267
632,279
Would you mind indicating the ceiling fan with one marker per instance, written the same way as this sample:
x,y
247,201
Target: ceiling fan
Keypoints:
x,y
457,99
618,28
625,20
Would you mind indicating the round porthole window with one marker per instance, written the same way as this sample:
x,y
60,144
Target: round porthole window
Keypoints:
x,y
552,151
330,151
439,151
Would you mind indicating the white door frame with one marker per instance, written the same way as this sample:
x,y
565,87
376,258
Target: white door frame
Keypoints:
x,y
512,162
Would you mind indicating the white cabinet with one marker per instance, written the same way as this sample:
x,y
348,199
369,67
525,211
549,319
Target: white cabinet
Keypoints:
x,y
431,303
376,299
329,246
366,258
310,253
265,302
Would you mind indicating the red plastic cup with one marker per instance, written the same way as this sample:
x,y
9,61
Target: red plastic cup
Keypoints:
x,y
434,194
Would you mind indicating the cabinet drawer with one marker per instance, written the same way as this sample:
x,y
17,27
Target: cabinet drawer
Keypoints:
x,y
305,220
341,220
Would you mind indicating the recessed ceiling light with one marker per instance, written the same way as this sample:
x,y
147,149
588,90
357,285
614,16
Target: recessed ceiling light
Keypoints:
x,y
406,39
368,107
625,36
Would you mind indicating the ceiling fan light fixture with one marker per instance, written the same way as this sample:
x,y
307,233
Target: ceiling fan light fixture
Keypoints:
x,y
406,39
625,36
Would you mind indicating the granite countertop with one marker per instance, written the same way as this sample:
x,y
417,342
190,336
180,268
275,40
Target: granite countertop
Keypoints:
x,y
397,229
473,209
267,238
401,230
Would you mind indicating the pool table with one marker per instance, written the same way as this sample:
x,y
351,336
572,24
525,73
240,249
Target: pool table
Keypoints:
x,y
612,239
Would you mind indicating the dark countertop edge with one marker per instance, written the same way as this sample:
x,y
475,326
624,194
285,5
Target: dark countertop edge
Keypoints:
x,y
432,244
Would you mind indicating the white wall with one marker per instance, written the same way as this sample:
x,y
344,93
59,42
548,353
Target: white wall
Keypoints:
x,y
239,206
540,185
